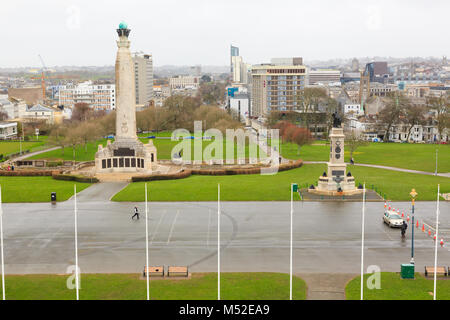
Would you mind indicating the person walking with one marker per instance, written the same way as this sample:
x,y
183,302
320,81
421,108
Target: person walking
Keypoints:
x,y
403,228
136,213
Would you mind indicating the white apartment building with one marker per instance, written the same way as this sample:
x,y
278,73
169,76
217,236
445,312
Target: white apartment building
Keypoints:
x,y
143,71
419,133
323,76
160,94
275,87
184,82
353,108
8,130
98,96
14,108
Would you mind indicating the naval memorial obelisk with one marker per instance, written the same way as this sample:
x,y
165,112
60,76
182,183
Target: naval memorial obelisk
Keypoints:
x,y
127,153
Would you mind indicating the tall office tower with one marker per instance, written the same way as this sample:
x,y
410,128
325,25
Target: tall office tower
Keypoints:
x,y
355,65
237,66
275,87
234,52
143,71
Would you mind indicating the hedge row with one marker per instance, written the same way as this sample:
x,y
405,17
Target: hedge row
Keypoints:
x,y
222,172
68,177
179,175
26,173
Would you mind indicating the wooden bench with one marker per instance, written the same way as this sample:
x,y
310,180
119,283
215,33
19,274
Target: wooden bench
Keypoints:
x,y
439,270
178,272
154,271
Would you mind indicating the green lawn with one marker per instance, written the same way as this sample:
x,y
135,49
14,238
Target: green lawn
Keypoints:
x,y
402,155
395,288
8,147
396,185
234,286
37,189
164,148
67,153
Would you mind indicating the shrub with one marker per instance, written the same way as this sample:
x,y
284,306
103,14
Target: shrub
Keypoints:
x,y
54,164
179,175
77,178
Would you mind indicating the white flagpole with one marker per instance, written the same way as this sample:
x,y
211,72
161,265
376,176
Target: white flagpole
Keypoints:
x,y
1,237
362,242
76,242
218,241
290,253
435,244
146,244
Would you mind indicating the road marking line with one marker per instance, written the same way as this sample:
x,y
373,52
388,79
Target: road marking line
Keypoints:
x,y
173,225
157,226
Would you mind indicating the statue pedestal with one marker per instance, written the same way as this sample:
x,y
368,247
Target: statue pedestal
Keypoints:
x,y
336,181
125,156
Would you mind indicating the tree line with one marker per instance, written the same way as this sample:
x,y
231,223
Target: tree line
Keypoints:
x,y
88,126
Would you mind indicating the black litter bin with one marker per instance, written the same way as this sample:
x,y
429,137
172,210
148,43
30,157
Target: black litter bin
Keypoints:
x,y
53,196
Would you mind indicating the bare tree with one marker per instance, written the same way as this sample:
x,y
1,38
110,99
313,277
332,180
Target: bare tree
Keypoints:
x,y
73,139
308,99
414,115
392,112
354,140
440,106
87,132
57,137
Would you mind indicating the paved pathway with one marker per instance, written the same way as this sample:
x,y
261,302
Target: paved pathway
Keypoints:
x,y
446,174
31,154
103,191
326,286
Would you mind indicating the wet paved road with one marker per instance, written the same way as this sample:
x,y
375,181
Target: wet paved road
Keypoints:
x,y
255,237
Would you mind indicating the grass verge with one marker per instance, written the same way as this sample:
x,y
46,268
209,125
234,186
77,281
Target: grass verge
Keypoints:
x,y
201,286
37,189
395,288
396,185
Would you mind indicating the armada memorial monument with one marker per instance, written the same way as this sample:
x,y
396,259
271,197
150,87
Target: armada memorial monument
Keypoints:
x,y
127,153
336,180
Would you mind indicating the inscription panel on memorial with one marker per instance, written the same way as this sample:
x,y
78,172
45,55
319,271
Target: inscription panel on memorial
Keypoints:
x,y
124,152
337,172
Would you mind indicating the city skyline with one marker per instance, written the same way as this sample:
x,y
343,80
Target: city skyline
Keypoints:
x,y
200,32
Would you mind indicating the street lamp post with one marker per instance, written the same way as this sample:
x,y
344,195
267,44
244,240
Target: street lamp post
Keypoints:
x,y
413,195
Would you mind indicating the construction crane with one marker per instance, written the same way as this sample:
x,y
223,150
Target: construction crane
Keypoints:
x,y
43,76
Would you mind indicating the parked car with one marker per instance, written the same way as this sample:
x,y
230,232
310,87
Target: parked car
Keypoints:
x,y
392,219
151,137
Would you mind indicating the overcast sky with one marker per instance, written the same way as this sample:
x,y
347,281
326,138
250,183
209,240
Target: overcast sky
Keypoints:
x,y
188,32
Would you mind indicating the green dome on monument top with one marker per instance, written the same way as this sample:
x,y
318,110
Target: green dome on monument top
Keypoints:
x,y
123,25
